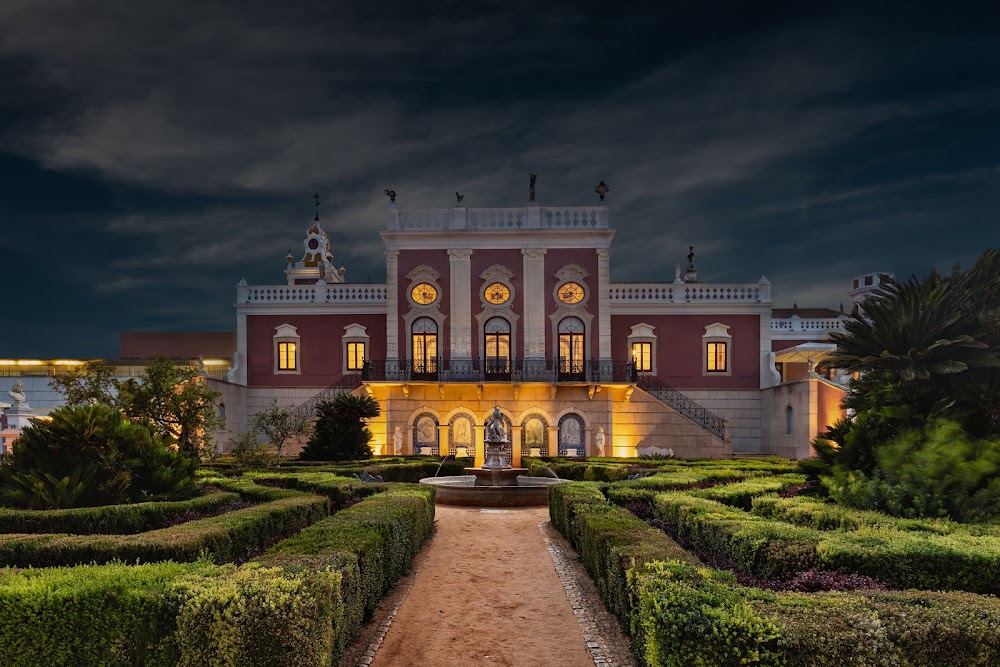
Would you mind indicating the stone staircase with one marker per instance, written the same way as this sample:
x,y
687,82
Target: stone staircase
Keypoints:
x,y
346,384
682,405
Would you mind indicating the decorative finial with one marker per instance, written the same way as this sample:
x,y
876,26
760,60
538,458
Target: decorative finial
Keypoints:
x,y
795,308
531,187
391,194
459,198
316,199
690,255
602,189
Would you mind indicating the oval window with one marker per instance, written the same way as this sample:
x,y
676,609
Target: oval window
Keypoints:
x,y
571,293
424,294
497,293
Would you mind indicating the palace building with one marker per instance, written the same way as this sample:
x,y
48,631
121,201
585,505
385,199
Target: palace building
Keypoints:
x,y
515,307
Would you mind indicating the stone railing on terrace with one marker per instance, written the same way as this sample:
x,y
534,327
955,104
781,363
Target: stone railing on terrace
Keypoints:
x,y
528,217
690,293
340,293
808,325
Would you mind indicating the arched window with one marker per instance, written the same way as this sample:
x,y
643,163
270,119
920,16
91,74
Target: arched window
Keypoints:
x,y
425,346
571,347
789,420
425,435
461,433
534,436
571,431
497,352
222,414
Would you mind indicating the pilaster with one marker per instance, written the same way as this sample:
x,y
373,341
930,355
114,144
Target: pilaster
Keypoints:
x,y
604,303
391,304
443,440
460,262
534,302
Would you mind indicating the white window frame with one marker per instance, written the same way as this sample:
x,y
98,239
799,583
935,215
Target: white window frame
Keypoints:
x,y
354,333
287,333
717,332
643,333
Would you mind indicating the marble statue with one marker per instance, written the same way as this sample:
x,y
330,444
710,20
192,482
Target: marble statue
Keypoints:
x,y
17,393
397,442
677,272
599,440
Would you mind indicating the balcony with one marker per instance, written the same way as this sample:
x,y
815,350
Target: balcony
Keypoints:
x,y
592,371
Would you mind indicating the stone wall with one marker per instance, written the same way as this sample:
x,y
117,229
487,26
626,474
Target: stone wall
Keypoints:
x,y
743,410
815,405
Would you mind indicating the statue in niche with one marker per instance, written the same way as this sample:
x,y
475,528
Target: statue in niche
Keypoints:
x,y
397,441
599,440
531,187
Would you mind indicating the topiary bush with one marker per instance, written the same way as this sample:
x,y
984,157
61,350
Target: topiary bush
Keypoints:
x,y
90,455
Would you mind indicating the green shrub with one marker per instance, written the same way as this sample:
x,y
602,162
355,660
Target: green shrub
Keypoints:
x,y
563,499
340,433
111,519
228,537
89,455
934,471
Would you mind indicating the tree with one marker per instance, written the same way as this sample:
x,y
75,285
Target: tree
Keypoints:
x,y
341,433
280,424
92,382
178,403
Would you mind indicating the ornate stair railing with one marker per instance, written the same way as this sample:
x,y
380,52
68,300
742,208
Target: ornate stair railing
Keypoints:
x,y
682,405
346,384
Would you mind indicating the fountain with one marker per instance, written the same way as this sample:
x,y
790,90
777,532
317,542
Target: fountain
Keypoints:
x,y
496,483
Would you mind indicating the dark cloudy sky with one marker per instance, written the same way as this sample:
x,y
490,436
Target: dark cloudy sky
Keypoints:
x,y
152,154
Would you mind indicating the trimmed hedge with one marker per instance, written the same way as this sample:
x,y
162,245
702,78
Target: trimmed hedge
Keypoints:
x,y
822,515
168,614
384,532
741,494
676,612
777,550
299,605
227,537
913,628
110,519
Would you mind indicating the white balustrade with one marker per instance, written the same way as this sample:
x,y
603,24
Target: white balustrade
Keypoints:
x,y
576,217
809,325
342,293
689,293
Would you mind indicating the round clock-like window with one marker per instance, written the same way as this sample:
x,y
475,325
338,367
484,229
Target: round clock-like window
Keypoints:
x,y
424,294
497,293
313,244
571,293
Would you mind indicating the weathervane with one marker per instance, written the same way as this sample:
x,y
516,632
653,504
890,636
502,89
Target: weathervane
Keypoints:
x,y
391,194
531,187
459,198
316,199
602,189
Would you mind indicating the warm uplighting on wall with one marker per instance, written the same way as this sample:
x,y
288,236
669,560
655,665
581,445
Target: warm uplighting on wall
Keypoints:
x,y
68,362
215,362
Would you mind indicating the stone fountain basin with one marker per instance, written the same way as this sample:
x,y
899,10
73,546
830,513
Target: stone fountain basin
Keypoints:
x,y
464,490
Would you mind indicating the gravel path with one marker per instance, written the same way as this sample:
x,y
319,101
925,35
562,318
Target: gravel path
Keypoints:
x,y
487,592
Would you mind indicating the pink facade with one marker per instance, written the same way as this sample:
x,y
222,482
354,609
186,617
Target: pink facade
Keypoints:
x,y
679,355
320,348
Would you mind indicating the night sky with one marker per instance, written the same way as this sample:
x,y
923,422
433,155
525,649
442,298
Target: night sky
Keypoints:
x,y
152,154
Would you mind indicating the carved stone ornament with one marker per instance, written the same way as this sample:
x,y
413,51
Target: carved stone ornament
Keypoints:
x,y
533,253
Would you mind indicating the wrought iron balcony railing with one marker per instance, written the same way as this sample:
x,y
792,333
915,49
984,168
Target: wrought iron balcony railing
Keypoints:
x,y
500,370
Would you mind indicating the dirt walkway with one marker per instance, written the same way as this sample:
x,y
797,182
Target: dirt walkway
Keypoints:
x,y
486,594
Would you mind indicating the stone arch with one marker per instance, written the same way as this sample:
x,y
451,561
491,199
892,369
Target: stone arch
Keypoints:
x,y
534,433
426,435
572,435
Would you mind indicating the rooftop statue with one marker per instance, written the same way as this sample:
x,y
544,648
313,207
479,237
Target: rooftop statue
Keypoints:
x,y
391,194
531,187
